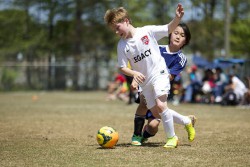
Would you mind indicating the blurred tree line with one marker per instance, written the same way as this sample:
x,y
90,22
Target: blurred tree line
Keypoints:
x,y
47,29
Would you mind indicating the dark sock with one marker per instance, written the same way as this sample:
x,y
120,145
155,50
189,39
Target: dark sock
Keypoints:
x,y
138,124
146,134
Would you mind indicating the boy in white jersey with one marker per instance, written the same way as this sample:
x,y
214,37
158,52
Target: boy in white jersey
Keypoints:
x,y
176,62
139,47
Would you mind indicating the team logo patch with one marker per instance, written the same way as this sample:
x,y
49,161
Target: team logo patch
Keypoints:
x,y
145,40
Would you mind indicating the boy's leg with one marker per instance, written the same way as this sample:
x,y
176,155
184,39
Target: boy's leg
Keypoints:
x,y
150,129
167,121
138,125
139,122
166,115
180,119
187,121
158,104
168,124
152,126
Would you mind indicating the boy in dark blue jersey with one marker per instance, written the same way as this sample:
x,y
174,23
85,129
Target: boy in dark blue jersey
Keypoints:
x,y
176,62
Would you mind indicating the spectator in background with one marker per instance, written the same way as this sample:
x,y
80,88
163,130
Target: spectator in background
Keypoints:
x,y
118,88
194,85
176,91
221,80
208,84
234,91
246,99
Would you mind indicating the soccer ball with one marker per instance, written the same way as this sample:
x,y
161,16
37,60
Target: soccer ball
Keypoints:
x,y
107,137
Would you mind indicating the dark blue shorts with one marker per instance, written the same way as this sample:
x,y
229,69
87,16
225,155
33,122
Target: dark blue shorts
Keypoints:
x,y
149,115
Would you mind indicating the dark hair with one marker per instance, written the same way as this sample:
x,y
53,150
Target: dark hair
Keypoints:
x,y
186,32
219,69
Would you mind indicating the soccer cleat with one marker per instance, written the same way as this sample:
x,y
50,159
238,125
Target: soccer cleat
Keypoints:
x,y
136,140
143,140
190,128
171,142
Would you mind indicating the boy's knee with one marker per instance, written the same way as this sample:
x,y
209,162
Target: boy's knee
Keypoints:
x,y
161,106
152,130
153,126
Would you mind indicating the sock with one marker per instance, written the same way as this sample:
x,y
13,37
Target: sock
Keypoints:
x,y
138,124
180,119
146,134
168,123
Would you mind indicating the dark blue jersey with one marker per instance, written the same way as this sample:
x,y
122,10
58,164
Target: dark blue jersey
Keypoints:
x,y
175,62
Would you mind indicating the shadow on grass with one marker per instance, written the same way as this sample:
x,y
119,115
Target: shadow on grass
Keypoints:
x,y
151,144
160,144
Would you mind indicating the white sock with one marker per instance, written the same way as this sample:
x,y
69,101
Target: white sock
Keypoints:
x,y
168,123
180,119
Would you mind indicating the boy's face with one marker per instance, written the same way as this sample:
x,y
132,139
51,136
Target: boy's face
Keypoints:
x,y
121,29
178,38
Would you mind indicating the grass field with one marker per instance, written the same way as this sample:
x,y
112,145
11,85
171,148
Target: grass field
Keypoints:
x,y
59,129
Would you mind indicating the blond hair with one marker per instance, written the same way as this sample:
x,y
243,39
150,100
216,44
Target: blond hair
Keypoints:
x,y
116,15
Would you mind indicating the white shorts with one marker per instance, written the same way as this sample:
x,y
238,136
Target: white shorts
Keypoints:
x,y
158,86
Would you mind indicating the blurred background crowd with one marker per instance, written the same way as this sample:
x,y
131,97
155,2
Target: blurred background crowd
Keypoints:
x,y
195,85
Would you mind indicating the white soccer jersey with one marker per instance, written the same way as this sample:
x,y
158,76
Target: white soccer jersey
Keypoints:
x,y
142,51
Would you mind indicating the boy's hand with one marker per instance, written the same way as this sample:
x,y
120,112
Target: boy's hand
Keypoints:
x,y
139,77
179,11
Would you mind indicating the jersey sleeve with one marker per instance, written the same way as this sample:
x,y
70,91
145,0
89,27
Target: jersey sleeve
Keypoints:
x,y
158,31
121,56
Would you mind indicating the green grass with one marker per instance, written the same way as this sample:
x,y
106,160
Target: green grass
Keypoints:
x,y
59,129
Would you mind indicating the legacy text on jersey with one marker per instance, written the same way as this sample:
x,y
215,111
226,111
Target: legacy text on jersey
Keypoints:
x,y
142,56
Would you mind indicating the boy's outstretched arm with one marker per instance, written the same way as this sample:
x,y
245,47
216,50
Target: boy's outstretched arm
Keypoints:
x,y
179,12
